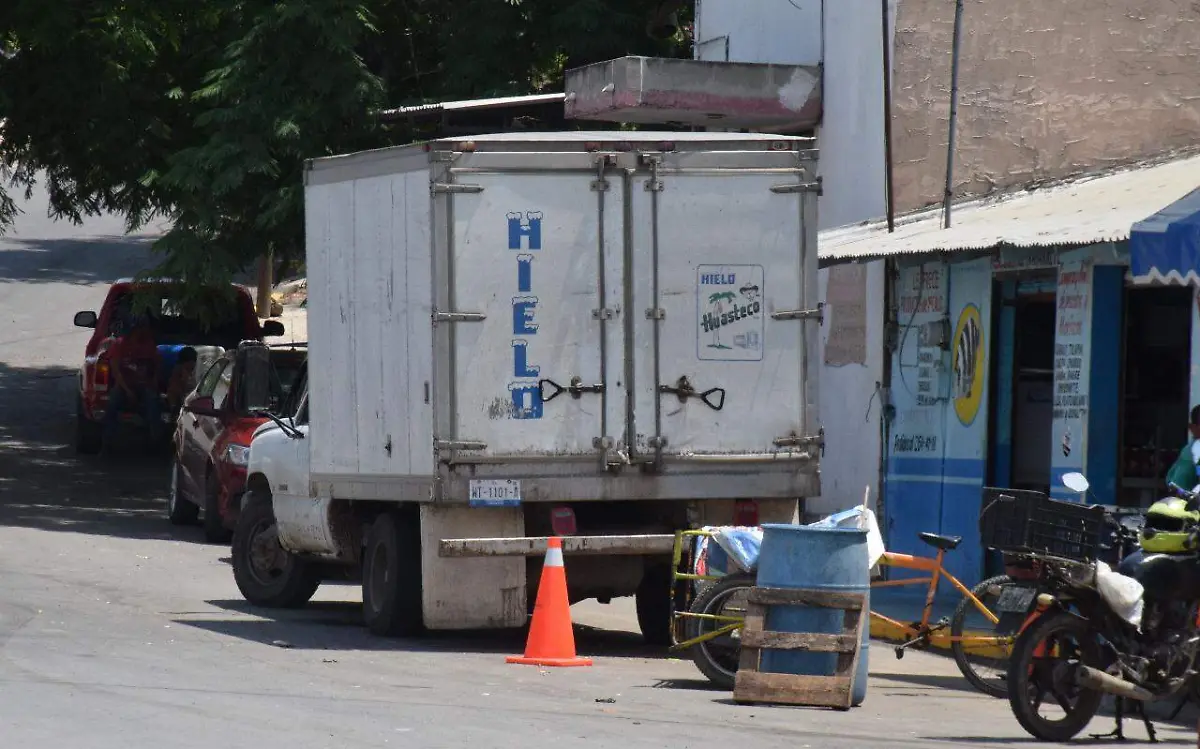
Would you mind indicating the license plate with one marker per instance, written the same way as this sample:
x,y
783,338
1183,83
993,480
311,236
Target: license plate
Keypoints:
x,y
494,493
1015,599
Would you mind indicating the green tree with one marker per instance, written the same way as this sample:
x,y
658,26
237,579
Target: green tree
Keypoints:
x,y
203,111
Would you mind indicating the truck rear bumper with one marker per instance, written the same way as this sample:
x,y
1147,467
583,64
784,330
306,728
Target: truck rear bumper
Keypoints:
x,y
535,546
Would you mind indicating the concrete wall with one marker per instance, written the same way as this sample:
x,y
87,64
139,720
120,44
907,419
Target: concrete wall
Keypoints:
x,y
781,32
850,404
1046,90
850,140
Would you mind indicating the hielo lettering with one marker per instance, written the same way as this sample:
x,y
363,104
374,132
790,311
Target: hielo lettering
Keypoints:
x,y
524,236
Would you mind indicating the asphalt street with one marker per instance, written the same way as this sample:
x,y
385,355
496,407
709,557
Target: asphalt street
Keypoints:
x,y
118,631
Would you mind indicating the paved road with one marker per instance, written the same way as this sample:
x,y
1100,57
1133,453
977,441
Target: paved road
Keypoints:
x,y
118,631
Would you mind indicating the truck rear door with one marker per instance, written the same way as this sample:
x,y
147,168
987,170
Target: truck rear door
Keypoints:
x,y
725,295
525,317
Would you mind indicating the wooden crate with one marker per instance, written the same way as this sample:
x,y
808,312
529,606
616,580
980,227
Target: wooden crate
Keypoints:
x,y
753,686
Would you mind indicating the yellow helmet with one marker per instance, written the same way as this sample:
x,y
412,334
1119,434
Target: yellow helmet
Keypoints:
x,y
1168,527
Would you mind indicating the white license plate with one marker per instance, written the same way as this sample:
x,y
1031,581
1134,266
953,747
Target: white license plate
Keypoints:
x,y
1015,599
494,493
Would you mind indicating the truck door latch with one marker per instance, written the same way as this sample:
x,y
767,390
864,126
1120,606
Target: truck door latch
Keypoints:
x,y
576,389
714,398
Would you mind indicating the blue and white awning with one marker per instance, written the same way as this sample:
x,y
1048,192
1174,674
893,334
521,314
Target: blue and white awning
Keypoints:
x,y
1166,246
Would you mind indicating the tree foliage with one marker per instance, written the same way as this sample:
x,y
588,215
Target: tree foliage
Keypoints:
x,y
203,111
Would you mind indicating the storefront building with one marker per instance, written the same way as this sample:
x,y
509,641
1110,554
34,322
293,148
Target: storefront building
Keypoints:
x,y
1049,332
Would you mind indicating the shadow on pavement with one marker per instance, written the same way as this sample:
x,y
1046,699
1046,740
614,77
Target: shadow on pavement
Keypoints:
x,y
333,626
84,260
45,485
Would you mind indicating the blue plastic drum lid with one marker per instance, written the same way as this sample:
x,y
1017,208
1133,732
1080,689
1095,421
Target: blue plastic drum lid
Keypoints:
x,y
825,559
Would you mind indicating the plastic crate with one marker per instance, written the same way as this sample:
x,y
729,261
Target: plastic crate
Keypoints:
x,y
1022,521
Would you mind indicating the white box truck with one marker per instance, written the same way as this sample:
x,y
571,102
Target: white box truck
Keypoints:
x,y
603,335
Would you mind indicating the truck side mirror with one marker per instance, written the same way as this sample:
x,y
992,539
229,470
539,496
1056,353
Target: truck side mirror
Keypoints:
x,y
85,319
254,363
272,329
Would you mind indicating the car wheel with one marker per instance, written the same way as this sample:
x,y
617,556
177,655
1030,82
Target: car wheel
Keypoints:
x,y
391,586
89,435
179,510
214,525
653,603
265,573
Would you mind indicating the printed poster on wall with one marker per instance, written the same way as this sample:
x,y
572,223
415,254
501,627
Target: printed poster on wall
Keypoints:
x,y
1071,354
917,389
846,302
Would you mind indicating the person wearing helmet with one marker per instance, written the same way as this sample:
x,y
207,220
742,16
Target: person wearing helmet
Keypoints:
x,y
1185,473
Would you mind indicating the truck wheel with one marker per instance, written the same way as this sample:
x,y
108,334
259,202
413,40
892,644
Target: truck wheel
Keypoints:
x,y
392,576
179,510
89,435
653,599
215,531
265,573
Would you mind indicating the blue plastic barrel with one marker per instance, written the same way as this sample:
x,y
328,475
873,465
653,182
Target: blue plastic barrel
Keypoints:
x,y
825,559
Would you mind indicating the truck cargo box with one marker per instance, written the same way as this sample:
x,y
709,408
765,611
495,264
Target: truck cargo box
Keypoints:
x,y
565,316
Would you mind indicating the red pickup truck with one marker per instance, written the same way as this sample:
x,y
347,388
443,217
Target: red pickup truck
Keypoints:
x,y
233,321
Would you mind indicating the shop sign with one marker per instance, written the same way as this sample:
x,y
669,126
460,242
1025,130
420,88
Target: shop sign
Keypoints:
x,y
1071,358
1014,259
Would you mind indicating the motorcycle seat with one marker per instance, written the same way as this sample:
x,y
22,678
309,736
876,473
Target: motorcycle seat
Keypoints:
x,y
938,541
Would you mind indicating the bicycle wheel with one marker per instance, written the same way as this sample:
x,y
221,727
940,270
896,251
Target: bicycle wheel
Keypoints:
x,y
983,664
718,657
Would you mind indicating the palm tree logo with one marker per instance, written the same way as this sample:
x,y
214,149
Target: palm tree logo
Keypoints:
x,y
718,301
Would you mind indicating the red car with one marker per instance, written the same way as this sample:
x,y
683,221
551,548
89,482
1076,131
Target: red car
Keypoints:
x,y
212,437
236,321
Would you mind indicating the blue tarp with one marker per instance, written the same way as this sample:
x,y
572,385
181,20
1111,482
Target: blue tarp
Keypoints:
x,y
1166,246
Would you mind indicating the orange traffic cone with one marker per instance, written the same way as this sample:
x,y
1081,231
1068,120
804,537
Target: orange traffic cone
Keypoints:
x,y
551,640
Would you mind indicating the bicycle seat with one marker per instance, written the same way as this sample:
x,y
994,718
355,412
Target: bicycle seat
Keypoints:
x,y
938,541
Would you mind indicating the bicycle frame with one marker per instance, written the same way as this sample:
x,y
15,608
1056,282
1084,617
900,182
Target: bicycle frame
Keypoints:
x,y
923,632
936,572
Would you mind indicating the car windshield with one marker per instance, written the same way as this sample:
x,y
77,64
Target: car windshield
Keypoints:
x,y
224,325
286,367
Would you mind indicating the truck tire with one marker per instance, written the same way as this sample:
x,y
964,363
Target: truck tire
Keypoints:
x,y
215,531
179,510
391,587
89,435
653,599
265,573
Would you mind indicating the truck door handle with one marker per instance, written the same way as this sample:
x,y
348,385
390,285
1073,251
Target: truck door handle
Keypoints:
x,y
576,389
683,390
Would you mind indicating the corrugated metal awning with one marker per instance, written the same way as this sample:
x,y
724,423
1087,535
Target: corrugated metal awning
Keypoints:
x,y
1088,210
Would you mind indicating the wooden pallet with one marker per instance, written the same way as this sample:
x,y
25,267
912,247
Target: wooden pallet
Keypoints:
x,y
754,686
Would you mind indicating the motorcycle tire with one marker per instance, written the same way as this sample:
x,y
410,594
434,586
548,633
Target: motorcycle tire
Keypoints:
x,y
1023,671
720,667
972,665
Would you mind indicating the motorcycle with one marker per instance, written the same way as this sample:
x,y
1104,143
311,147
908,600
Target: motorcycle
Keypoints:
x,y
1088,631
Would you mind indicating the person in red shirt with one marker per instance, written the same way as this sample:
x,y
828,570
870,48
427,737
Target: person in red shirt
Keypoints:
x,y
134,362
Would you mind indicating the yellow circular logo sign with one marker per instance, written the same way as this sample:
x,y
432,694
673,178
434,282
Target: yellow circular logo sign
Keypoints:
x,y
967,370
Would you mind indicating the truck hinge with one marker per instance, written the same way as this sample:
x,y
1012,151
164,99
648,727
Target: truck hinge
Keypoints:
x,y
796,440
459,445
600,185
458,317
442,157
791,188
454,188
817,314
656,313
604,313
